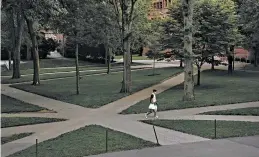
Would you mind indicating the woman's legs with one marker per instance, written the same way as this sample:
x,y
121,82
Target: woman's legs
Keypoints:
x,y
149,112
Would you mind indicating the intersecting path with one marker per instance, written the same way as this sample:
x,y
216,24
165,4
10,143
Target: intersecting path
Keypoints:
x,y
106,116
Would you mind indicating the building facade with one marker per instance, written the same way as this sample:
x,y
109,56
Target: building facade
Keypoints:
x,y
159,9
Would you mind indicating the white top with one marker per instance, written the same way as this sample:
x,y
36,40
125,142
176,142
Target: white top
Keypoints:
x,y
154,98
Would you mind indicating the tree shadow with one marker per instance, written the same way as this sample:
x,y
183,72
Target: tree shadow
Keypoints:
x,y
153,75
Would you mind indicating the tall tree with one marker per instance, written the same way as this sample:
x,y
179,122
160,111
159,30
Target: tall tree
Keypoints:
x,y
14,9
124,10
188,54
249,20
37,14
7,34
95,25
214,27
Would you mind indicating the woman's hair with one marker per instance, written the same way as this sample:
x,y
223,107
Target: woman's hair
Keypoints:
x,y
154,90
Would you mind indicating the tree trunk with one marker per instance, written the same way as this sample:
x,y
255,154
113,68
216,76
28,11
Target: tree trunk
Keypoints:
x,y
126,28
106,54
212,63
127,62
230,66
17,43
199,76
63,46
77,71
154,64
131,60
109,61
181,62
9,60
255,57
188,68
28,56
35,53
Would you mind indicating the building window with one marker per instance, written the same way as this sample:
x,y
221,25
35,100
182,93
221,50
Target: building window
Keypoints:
x,y
160,5
154,5
169,1
157,5
165,3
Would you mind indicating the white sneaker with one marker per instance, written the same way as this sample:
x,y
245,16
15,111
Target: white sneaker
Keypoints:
x,y
146,116
156,117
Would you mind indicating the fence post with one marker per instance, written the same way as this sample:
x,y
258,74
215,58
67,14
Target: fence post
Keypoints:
x,y
155,135
215,129
36,147
106,141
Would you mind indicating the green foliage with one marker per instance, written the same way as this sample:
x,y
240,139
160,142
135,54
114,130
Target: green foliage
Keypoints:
x,y
214,26
46,46
249,19
91,23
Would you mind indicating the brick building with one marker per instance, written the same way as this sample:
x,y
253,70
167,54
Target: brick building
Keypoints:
x,y
159,9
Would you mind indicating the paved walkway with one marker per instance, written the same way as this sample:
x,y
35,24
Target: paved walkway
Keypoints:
x,y
191,113
106,116
233,147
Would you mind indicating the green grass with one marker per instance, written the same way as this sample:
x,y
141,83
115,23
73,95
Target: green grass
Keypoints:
x,y
251,111
134,57
96,91
205,128
9,80
53,63
19,121
251,67
85,141
14,137
53,69
11,105
217,88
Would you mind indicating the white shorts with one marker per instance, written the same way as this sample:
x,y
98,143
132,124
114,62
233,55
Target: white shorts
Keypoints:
x,y
152,107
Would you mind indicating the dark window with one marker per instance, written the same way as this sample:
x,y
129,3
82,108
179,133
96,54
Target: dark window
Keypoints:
x,y
161,5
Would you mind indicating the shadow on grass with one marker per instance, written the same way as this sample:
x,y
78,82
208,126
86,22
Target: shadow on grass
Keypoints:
x,y
152,74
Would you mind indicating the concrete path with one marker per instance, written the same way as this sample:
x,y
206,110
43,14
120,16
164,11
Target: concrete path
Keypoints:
x,y
191,113
234,147
106,116
146,132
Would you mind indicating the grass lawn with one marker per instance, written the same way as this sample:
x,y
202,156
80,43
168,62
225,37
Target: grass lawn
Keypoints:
x,y
51,70
11,105
217,88
251,111
134,57
53,63
9,80
19,121
89,140
14,137
96,91
205,128
251,67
